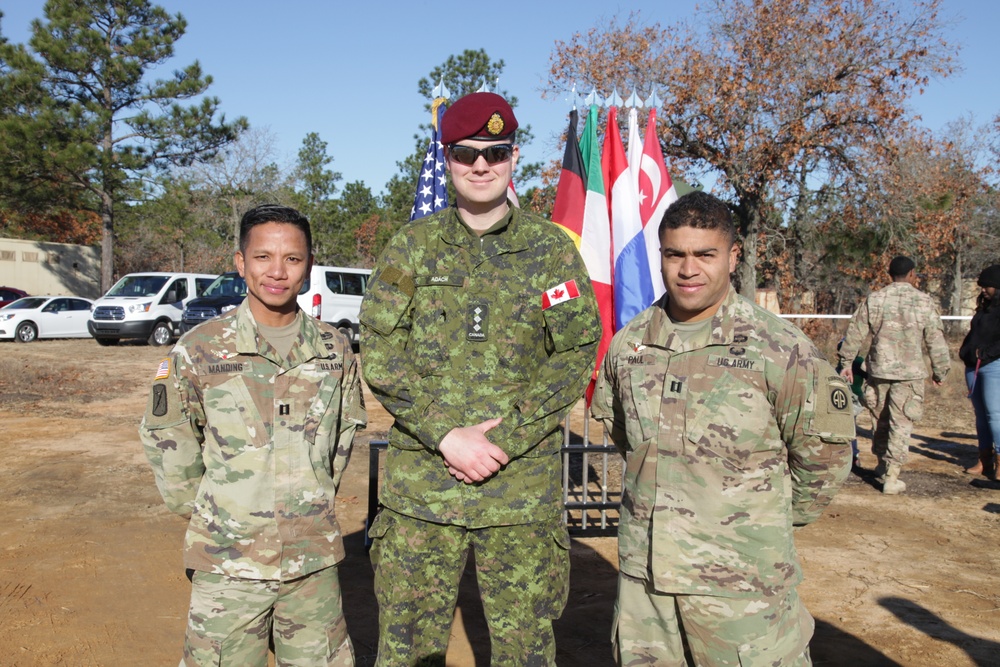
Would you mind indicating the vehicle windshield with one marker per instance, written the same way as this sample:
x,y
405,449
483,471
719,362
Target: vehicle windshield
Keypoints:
x,y
26,303
138,286
228,284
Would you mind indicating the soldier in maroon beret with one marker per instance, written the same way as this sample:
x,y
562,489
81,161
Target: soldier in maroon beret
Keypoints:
x,y
479,330
478,133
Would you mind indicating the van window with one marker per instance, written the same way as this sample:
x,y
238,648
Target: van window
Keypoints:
x,y
352,284
178,291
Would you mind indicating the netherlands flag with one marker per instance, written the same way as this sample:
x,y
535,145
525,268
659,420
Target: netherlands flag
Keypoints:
x,y
633,286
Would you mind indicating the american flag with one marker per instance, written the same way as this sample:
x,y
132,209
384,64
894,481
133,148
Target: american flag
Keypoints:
x,y
432,186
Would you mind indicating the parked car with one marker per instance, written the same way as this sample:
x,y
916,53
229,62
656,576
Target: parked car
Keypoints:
x,y
10,295
226,293
34,317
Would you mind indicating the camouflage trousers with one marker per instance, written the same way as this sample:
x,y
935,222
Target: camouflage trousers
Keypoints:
x,y
523,577
232,622
652,628
895,405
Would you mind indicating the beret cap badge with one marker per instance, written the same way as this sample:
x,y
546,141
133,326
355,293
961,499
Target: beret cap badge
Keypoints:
x,y
495,124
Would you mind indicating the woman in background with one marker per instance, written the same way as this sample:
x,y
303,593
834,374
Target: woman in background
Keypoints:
x,y
979,352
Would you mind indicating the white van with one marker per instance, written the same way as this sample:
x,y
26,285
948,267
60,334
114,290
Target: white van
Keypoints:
x,y
145,305
333,294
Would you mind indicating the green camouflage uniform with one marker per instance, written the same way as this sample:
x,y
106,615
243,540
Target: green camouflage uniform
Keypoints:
x,y
251,449
453,333
731,437
900,320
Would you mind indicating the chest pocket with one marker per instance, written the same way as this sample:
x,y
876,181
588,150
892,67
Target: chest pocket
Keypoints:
x,y
438,318
321,417
233,418
642,390
732,421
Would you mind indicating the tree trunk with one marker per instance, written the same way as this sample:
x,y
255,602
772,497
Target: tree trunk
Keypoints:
x,y
748,224
107,188
107,242
957,283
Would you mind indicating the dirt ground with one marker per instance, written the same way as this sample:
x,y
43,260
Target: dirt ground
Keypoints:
x,y
90,561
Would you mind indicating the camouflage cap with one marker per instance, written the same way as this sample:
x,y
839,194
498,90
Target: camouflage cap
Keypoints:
x,y
483,116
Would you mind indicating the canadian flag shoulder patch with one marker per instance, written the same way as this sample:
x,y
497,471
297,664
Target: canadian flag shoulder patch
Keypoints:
x,y
559,294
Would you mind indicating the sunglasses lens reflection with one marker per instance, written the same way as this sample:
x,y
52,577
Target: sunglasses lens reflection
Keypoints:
x,y
493,154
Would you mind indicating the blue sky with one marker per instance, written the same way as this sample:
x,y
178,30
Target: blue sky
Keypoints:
x,y
349,70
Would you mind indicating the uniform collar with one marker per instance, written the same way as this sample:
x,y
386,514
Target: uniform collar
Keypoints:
x,y
660,332
509,236
249,341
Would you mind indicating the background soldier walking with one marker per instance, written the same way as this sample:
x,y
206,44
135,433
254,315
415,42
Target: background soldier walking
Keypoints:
x,y
901,320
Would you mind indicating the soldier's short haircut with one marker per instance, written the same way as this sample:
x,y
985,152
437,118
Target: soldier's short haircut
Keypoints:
x,y
699,210
265,213
900,266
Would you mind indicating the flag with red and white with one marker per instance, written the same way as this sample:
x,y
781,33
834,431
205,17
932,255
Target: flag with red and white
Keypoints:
x,y
560,293
656,193
633,289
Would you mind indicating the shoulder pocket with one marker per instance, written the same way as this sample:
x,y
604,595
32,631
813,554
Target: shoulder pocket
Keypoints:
x,y
833,419
163,409
386,300
573,323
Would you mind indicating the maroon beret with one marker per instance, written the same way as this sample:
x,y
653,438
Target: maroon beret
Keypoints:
x,y
484,116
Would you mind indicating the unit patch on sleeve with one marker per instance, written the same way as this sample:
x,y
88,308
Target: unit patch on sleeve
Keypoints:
x,y
160,405
163,370
559,294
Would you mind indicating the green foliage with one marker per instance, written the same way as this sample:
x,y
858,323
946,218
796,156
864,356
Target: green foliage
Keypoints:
x,y
166,231
97,122
317,184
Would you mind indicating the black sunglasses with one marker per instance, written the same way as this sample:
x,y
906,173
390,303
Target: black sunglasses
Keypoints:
x,y
494,154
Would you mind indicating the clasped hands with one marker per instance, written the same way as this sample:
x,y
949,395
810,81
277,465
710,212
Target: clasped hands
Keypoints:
x,y
469,455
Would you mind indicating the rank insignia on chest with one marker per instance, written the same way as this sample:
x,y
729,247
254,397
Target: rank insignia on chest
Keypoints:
x,y
479,322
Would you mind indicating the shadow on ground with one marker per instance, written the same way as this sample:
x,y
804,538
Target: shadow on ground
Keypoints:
x,y
832,647
981,651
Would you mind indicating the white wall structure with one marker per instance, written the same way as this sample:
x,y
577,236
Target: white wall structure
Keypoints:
x,y
39,267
